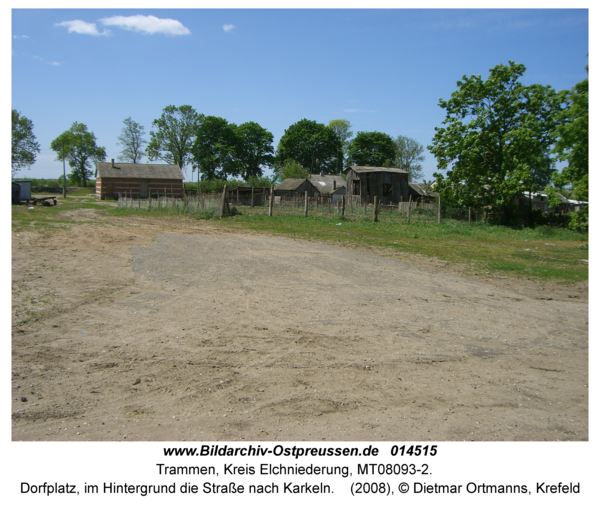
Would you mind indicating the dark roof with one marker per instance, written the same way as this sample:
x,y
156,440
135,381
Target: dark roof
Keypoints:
x,y
422,189
290,184
325,183
362,170
138,170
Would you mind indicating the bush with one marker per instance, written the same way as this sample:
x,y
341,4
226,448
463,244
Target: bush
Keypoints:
x,y
579,220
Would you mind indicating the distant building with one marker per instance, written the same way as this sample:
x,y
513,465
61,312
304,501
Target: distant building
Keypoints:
x,y
332,186
420,192
292,187
390,185
138,180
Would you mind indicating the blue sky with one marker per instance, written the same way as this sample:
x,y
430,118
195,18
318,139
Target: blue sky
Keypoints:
x,y
383,70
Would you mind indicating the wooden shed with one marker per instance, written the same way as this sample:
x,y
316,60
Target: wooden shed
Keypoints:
x,y
332,186
138,180
292,187
390,185
420,192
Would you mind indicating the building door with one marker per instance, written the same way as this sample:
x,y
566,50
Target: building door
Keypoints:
x,y
143,190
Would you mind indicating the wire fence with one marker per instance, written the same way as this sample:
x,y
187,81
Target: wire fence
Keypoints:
x,y
319,206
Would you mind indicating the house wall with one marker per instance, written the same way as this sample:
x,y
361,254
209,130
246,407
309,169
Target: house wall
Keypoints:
x,y
306,186
111,187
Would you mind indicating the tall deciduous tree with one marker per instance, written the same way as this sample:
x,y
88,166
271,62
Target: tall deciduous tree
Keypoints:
x,y
409,155
132,140
24,144
313,145
342,128
374,149
254,150
174,136
214,148
78,146
496,139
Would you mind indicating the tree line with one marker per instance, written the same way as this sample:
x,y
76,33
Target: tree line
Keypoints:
x,y
217,149
500,139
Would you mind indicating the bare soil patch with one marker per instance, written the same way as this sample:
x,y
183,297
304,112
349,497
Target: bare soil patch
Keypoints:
x,y
148,329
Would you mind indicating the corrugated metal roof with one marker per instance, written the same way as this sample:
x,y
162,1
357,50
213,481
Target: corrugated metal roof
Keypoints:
x,y
360,169
325,183
290,184
138,170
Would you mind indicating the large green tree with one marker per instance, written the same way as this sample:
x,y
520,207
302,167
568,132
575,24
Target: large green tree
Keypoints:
x,y
373,149
254,150
174,136
78,146
409,155
132,140
572,140
496,140
313,145
24,144
214,148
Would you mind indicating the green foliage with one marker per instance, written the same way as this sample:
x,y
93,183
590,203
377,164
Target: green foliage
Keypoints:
x,y
371,149
580,220
254,150
132,140
342,128
409,155
496,140
174,136
291,169
214,148
572,140
24,144
313,145
78,146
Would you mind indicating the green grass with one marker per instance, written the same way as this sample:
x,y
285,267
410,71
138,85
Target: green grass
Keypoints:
x,y
543,252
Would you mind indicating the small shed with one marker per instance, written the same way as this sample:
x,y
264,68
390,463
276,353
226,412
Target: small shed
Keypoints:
x,y
292,187
21,190
333,186
420,192
389,185
138,180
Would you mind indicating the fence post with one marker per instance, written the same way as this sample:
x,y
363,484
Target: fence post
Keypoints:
x,y
439,209
469,216
271,199
223,202
306,203
375,208
252,198
329,204
408,212
343,205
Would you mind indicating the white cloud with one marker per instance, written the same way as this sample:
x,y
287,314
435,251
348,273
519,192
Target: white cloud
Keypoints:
x,y
147,24
20,37
228,28
82,27
55,63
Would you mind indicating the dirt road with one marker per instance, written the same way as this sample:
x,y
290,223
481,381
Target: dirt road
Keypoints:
x,y
141,329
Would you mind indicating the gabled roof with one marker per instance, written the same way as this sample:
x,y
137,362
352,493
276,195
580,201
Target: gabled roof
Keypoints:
x,y
138,170
290,184
422,189
325,183
359,169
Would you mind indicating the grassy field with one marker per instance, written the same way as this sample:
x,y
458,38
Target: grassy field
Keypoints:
x,y
544,253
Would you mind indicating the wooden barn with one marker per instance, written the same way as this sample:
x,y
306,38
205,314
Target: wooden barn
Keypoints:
x,y
390,185
138,180
420,192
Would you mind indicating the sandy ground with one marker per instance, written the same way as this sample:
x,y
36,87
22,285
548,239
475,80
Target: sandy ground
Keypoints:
x,y
172,330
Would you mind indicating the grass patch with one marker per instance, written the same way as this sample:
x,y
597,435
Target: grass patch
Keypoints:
x,y
543,252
